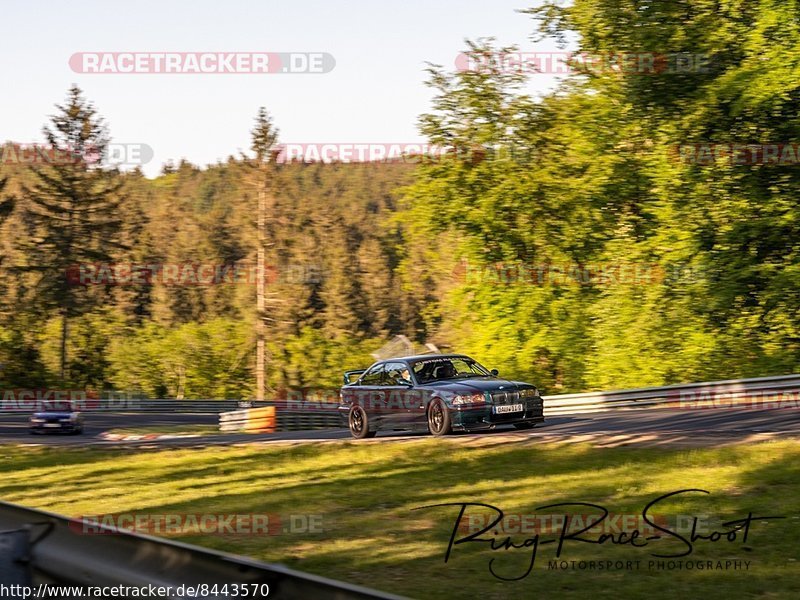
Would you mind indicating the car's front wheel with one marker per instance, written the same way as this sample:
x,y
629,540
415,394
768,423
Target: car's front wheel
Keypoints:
x,y
439,418
359,423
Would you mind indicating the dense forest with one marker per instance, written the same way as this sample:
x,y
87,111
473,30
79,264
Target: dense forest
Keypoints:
x,y
561,239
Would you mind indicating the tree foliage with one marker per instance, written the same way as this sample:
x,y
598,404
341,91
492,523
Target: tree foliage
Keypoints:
x,y
559,239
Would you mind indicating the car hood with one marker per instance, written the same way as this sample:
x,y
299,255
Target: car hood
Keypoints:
x,y
477,384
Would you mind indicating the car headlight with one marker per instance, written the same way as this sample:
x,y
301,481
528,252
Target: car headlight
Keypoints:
x,y
529,393
469,399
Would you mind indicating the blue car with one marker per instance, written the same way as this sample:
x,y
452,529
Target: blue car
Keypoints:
x,y
56,418
437,393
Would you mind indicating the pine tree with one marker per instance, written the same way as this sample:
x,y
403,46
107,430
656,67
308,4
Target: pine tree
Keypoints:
x,y
265,137
71,213
7,204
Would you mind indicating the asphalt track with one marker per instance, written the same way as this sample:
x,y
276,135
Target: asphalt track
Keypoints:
x,y
698,427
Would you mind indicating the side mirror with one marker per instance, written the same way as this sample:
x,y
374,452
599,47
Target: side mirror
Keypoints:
x,y
495,372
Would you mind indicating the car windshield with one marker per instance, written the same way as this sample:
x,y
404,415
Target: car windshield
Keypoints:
x,y
55,406
440,369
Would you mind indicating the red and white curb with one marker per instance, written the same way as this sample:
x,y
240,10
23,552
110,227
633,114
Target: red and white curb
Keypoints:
x,y
143,437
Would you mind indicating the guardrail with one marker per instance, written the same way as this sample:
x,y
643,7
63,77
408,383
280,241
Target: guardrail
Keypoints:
x,y
759,392
40,547
289,416
285,417
294,415
122,405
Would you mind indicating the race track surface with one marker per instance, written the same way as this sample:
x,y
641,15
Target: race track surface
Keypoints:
x,y
699,427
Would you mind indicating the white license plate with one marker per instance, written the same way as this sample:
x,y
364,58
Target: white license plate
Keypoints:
x,y
52,425
508,408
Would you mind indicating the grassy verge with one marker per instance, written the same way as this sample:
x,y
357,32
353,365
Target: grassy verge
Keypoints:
x,y
363,496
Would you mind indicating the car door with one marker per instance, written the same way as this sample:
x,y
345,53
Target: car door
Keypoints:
x,y
369,393
418,400
396,395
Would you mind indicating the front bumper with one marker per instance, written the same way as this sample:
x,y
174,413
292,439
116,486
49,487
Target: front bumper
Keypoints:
x,y
54,427
475,418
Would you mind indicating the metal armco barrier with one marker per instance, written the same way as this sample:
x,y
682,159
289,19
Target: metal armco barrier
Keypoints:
x,y
299,414
124,405
298,421
289,416
759,392
61,554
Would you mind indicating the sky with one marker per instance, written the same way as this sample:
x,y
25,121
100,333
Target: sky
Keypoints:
x,y
374,94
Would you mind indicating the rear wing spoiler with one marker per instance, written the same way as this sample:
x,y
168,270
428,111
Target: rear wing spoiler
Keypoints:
x,y
351,376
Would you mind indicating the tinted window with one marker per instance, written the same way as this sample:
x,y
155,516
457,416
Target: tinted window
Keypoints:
x,y
373,376
440,369
397,374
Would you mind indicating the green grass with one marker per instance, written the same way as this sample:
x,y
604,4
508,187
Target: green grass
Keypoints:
x,y
366,493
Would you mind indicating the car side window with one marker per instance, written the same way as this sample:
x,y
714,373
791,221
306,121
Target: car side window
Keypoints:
x,y
373,376
397,374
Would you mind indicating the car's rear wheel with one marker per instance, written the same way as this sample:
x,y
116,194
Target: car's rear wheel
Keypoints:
x,y
439,418
359,423
523,425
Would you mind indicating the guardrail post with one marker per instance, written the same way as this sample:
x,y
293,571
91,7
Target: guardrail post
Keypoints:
x,y
14,557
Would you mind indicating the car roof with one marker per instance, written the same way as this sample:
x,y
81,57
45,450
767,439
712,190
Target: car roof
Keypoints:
x,y
418,357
